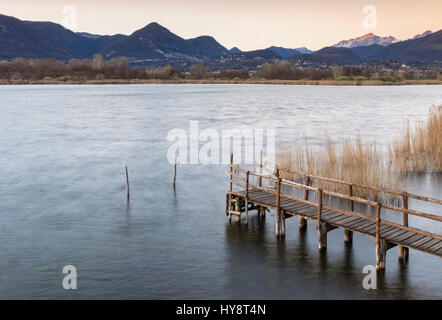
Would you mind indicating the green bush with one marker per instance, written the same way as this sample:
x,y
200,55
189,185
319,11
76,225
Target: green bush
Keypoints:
x,y
360,78
343,78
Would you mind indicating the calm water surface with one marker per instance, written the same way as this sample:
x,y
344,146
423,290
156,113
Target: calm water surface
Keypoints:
x,y
62,194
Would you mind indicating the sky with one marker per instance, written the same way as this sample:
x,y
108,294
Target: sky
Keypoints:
x,y
247,24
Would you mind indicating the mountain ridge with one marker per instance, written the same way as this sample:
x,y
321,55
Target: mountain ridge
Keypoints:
x,y
154,45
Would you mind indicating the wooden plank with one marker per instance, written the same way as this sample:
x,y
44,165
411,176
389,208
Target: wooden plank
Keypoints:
x,y
285,201
421,242
391,231
294,207
414,238
369,229
337,219
395,234
346,221
355,222
299,204
262,198
435,247
360,225
404,236
330,214
343,223
263,195
255,191
313,213
386,229
439,252
306,211
271,201
428,245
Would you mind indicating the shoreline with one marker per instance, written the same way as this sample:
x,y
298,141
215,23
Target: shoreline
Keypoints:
x,y
208,81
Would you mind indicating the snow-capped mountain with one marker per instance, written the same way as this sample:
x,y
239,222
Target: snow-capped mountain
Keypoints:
x,y
366,40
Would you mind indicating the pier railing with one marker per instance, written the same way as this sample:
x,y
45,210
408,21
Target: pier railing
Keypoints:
x,y
271,184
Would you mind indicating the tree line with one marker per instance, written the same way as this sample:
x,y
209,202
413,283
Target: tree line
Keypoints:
x,y
98,68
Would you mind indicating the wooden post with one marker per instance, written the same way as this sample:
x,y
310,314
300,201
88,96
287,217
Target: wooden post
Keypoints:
x,y
260,170
348,234
247,198
303,221
403,251
282,224
322,226
174,174
127,184
231,171
227,203
307,183
381,245
230,187
278,218
238,209
262,211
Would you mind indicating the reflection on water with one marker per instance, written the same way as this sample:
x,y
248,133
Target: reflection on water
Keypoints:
x,y
63,198
293,268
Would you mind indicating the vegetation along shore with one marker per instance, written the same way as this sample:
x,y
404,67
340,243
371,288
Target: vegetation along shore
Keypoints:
x,y
118,71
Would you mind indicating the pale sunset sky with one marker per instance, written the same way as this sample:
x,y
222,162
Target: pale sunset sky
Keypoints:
x,y
247,24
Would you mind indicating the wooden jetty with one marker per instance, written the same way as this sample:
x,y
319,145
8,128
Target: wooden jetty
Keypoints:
x,y
257,191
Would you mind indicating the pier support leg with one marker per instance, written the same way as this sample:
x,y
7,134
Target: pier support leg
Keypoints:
x,y
282,225
230,208
381,254
302,224
348,236
278,225
322,235
262,211
227,204
246,211
403,253
238,209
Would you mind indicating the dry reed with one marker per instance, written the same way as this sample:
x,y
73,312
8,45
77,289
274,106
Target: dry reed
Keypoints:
x,y
416,150
350,161
419,149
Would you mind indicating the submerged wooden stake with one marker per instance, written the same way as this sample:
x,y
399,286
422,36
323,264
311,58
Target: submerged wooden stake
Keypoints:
x,y
174,174
127,184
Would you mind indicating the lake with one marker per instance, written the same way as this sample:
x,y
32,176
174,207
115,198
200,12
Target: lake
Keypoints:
x,y
63,195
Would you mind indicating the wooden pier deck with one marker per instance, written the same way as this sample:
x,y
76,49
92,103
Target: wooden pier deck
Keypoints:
x,y
266,194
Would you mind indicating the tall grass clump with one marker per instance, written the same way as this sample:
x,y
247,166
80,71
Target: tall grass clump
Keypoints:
x,y
419,149
351,161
